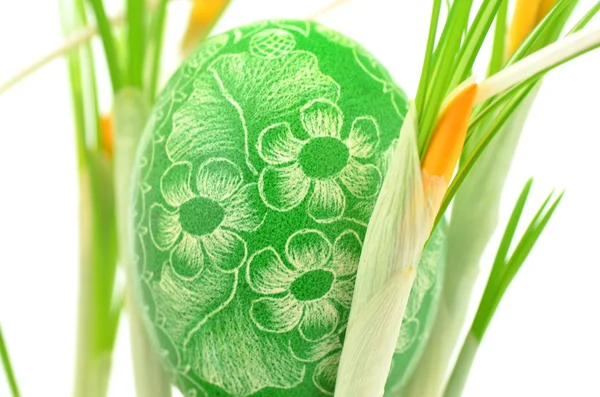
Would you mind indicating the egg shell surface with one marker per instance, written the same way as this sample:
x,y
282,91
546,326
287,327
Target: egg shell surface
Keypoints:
x,y
254,184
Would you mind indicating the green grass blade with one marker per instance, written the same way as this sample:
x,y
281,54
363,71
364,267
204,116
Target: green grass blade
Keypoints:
x,y
475,37
504,271
68,17
136,41
445,60
8,369
156,44
499,45
89,84
530,237
108,42
513,222
586,18
508,268
427,63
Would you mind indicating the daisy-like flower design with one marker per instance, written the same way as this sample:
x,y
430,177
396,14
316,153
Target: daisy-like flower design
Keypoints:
x,y
304,294
203,226
322,161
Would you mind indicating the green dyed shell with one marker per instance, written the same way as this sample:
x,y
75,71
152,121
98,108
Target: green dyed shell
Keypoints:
x,y
255,182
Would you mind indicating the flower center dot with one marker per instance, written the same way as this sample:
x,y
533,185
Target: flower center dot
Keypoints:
x,y
323,157
200,216
312,285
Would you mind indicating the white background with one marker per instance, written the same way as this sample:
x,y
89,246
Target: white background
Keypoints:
x,y
545,338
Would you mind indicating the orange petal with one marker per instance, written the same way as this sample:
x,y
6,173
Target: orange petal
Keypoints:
x,y
107,134
202,17
449,136
528,14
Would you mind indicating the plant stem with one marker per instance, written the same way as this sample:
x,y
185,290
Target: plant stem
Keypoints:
x,y
473,221
156,44
136,40
130,115
108,41
459,377
93,353
10,374
85,35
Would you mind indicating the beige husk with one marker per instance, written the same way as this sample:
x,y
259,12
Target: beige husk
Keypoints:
x,y
397,232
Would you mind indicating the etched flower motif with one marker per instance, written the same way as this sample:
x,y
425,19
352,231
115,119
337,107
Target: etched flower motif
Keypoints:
x,y
203,226
325,373
328,352
304,294
322,161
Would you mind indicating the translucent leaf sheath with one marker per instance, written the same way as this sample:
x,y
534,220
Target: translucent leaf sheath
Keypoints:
x,y
395,238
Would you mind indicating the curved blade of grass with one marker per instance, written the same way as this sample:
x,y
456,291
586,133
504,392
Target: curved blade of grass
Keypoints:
x,y
499,45
478,213
586,18
444,62
136,41
108,42
474,40
8,369
156,41
427,62
503,273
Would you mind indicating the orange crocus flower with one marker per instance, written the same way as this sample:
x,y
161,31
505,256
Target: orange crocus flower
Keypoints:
x,y
528,14
107,134
203,16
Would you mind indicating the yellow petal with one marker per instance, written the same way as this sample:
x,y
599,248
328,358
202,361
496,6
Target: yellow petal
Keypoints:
x,y
107,134
449,135
528,14
203,16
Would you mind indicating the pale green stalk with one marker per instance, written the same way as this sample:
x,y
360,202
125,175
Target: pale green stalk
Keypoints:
x,y
397,232
473,221
459,377
130,115
93,354
504,270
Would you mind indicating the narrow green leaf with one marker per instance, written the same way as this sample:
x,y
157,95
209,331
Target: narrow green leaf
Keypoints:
x,y
8,369
108,42
511,228
530,238
136,41
89,84
155,48
499,45
445,60
427,63
586,18
475,37
506,270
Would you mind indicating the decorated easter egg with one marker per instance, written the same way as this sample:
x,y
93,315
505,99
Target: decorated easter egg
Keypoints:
x,y
254,184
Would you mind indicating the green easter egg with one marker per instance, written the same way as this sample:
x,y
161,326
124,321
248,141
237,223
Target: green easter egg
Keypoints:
x,y
255,181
